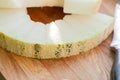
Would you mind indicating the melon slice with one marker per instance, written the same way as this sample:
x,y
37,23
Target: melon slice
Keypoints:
x,y
85,7
73,35
29,3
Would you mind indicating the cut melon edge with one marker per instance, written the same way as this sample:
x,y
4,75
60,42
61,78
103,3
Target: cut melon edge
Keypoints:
x,y
48,51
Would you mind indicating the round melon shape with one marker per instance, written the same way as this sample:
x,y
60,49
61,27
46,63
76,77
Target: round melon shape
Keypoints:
x,y
72,35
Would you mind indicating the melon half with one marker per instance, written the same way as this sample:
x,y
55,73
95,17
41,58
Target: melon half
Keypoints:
x,y
74,34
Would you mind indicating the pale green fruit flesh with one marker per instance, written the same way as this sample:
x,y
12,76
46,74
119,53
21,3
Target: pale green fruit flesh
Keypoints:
x,y
73,35
29,3
86,7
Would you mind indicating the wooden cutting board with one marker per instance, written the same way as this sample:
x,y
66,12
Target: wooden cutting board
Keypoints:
x,y
93,65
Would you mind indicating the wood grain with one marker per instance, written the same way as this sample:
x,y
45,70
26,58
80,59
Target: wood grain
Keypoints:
x,y
95,64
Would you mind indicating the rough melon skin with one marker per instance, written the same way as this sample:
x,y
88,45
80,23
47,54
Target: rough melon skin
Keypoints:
x,y
78,34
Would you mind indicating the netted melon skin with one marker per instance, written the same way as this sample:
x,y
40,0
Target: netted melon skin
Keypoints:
x,y
48,51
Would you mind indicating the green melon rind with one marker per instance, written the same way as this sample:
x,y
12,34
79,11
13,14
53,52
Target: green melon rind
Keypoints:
x,y
47,51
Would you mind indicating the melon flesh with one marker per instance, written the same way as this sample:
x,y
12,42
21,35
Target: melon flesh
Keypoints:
x,y
72,35
85,7
30,3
